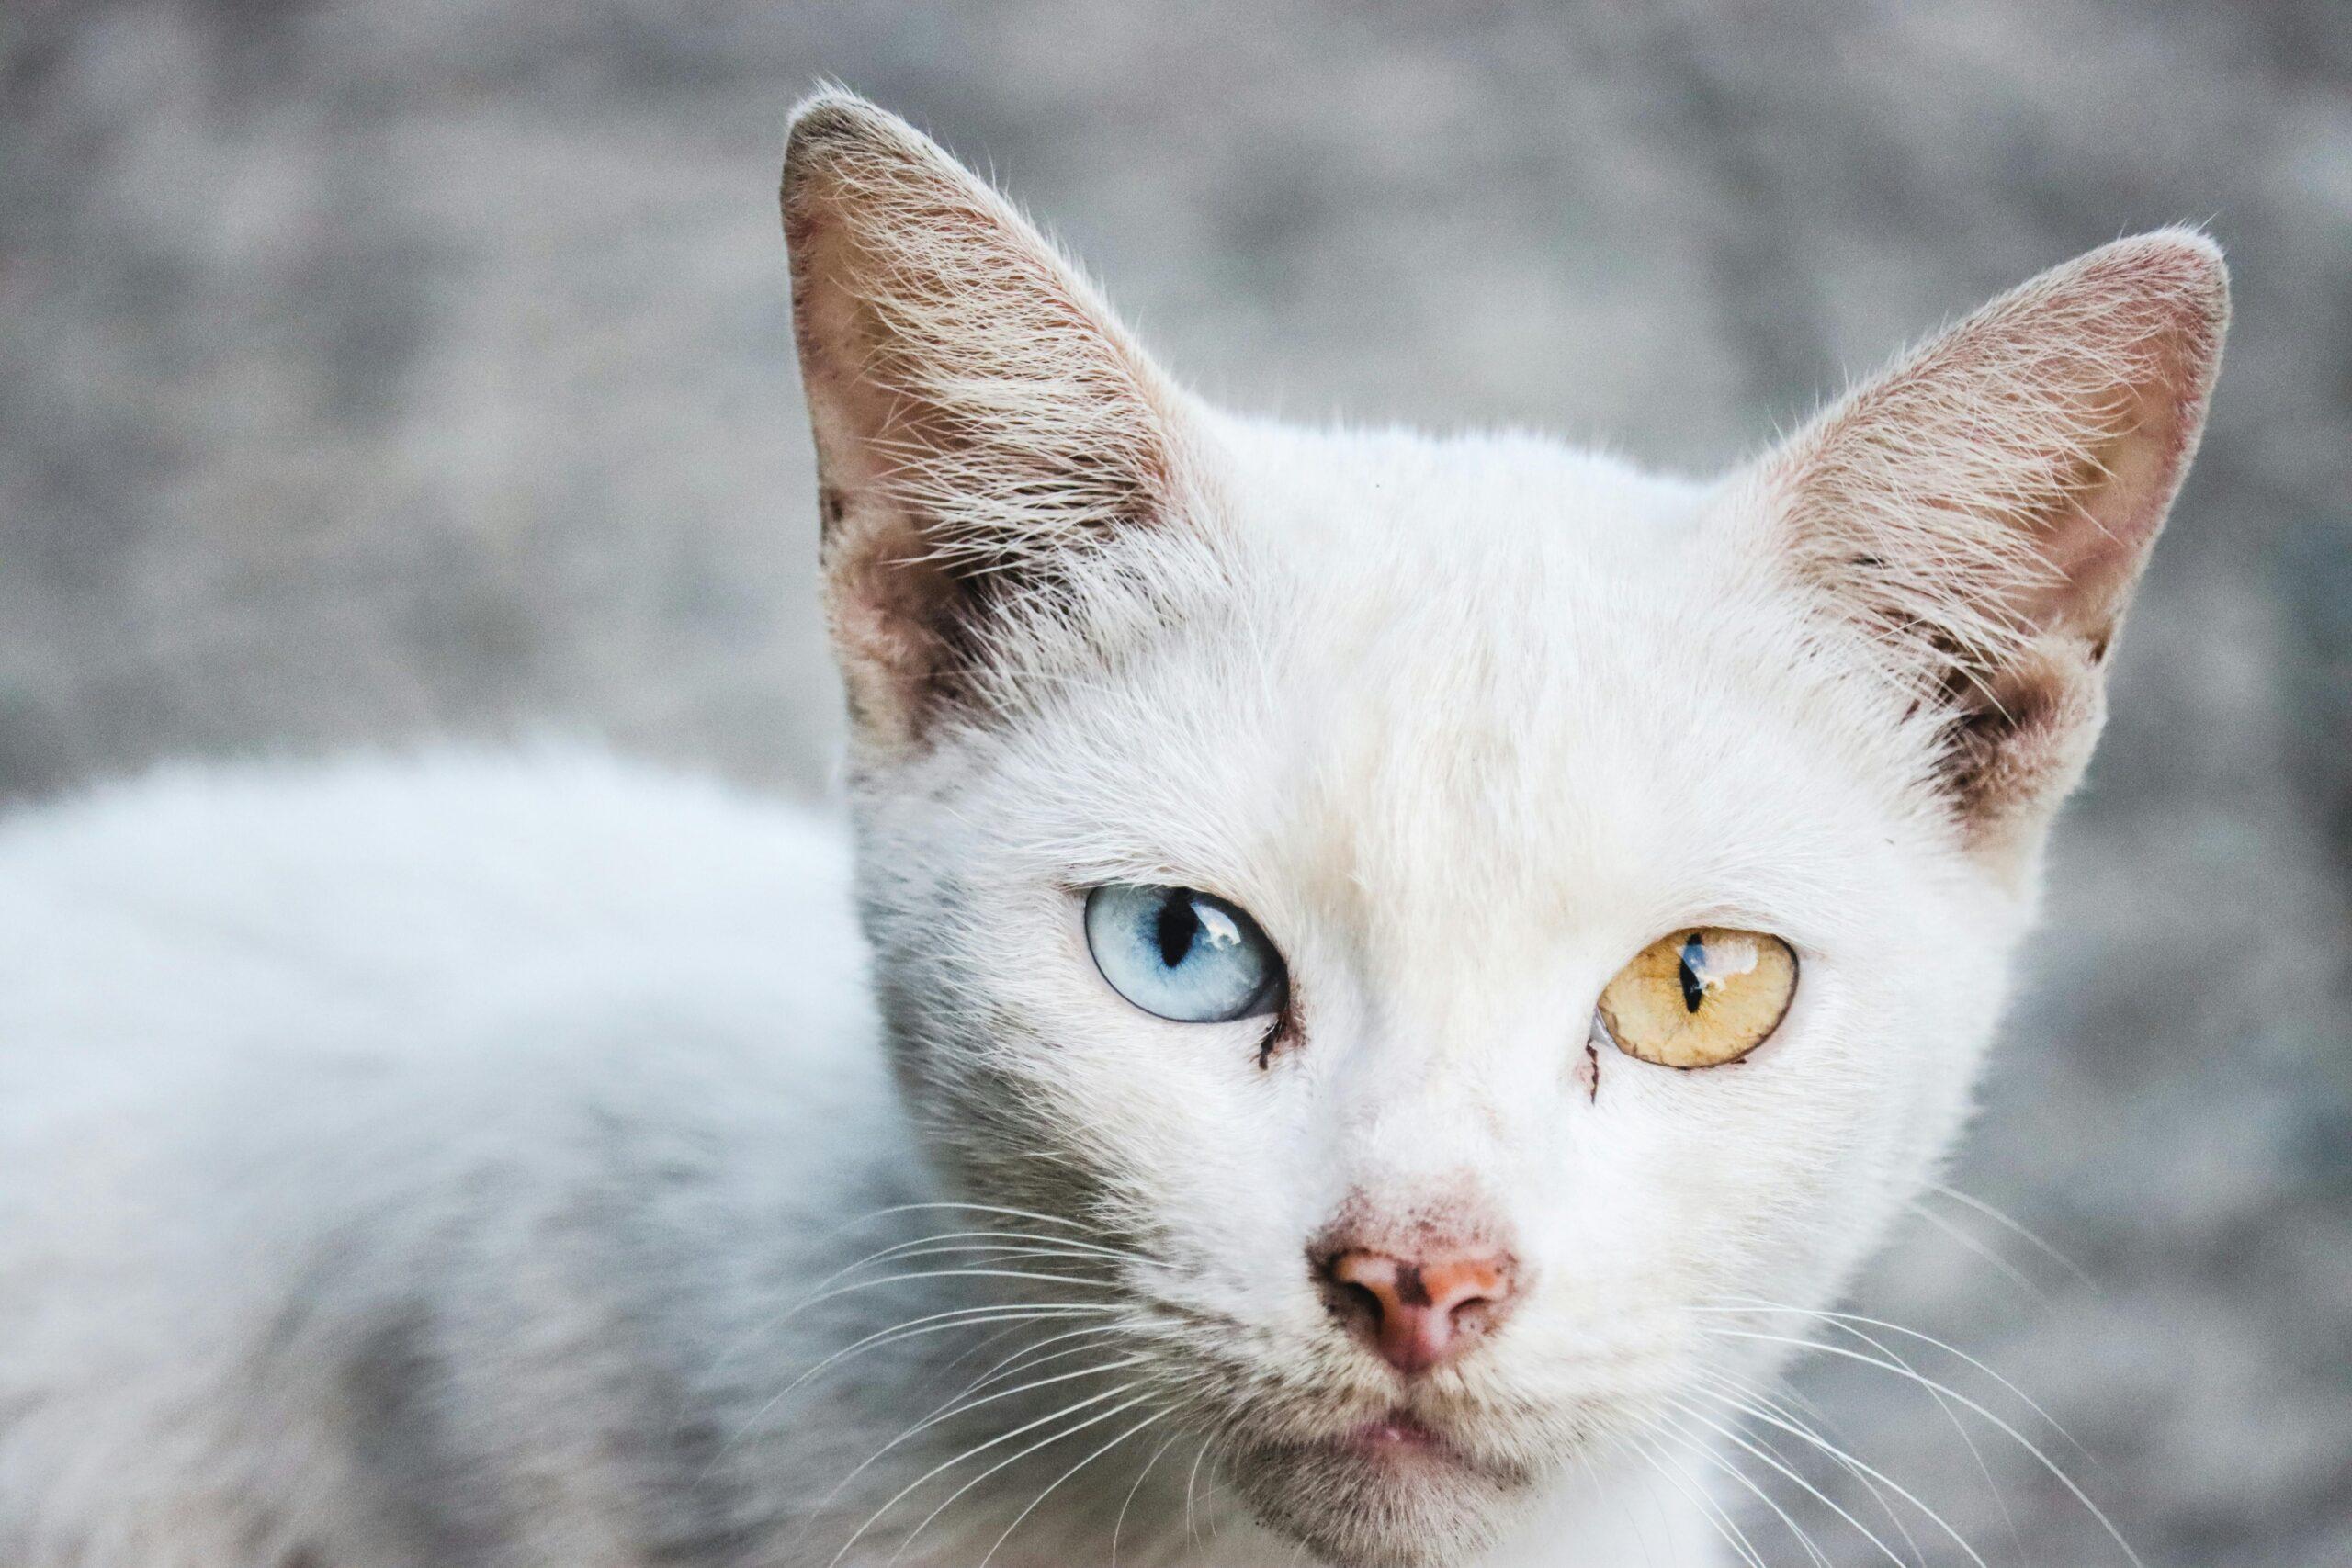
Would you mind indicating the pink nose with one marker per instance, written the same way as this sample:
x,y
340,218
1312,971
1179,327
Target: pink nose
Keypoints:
x,y
1419,1312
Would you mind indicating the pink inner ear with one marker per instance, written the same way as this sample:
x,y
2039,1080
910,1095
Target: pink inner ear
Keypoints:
x,y
979,416
1983,511
2006,481
2120,493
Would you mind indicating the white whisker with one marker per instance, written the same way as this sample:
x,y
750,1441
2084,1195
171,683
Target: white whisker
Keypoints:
x,y
953,1409
854,1287
1968,1440
1844,1322
1745,1400
1052,1485
1891,1483
1192,1530
1733,1436
1063,1221
918,1481
937,1322
1028,1359
1777,1409
2043,1460
1933,1343
1732,1536
1003,1243
2008,1224
1120,1524
1708,1451
1045,1442
823,1292
1962,1238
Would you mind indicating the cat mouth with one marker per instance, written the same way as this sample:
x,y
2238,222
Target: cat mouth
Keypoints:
x,y
1395,1490
1399,1437
1406,1447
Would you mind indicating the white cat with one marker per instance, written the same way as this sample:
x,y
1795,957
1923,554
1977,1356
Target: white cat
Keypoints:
x,y
1401,970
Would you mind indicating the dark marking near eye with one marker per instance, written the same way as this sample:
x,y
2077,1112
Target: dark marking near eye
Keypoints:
x,y
1694,958
1288,1028
1178,926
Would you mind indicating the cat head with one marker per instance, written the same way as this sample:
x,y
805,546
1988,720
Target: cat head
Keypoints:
x,y
1471,930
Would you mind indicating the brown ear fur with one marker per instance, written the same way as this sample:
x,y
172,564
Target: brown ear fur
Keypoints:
x,y
977,412
1983,511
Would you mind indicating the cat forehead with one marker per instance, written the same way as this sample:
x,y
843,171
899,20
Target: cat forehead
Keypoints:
x,y
1397,489
1490,669
1419,593
1488,559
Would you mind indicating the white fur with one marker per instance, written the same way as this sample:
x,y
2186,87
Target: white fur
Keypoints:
x,y
450,1160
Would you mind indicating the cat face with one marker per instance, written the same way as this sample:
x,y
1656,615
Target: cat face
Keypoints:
x,y
1287,853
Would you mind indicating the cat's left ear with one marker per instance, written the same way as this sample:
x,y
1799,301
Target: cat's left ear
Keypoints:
x,y
982,419
1982,510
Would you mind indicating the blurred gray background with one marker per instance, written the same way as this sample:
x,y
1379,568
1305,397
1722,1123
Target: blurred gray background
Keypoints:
x,y
377,372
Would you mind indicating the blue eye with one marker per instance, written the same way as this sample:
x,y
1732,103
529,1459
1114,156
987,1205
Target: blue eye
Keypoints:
x,y
1183,955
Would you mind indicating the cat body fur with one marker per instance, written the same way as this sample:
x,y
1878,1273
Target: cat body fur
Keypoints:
x,y
462,1160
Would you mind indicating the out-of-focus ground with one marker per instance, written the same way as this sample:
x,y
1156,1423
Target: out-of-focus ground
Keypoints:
x,y
372,372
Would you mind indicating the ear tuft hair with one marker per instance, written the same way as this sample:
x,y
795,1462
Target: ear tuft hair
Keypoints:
x,y
980,415
1982,510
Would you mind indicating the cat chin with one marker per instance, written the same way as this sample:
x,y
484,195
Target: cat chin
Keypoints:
x,y
1368,1503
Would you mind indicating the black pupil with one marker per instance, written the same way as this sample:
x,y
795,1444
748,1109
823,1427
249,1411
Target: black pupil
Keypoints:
x,y
1179,927
1694,959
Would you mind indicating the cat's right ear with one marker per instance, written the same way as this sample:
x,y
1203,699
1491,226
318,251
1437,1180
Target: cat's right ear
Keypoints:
x,y
979,416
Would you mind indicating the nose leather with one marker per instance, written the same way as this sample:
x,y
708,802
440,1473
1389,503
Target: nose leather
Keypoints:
x,y
1419,1311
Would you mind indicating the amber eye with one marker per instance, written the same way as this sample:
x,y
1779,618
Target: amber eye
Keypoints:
x,y
1700,998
